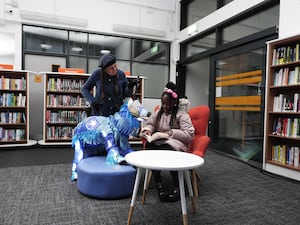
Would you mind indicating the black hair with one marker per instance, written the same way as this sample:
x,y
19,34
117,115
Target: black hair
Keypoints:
x,y
174,103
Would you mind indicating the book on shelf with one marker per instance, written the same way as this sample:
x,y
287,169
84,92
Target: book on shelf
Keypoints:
x,y
288,155
287,76
285,54
286,103
296,156
156,136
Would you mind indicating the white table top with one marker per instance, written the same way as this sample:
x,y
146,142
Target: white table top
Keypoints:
x,y
164,160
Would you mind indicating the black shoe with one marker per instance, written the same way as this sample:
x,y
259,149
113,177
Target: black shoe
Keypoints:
x,y
174,195
162,192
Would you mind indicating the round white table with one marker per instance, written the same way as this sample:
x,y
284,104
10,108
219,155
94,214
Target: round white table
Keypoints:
x,y
164,160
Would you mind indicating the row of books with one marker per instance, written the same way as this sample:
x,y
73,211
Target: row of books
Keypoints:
x,y
7,83
72,117
288,127
12,117
288,155
65,100
287,76
58,84
12,99
285,54
59,133
12,134
286,103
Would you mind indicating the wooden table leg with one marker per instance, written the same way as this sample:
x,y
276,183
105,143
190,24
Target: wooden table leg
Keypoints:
x,y
182,197
146,181
134,194
189,184
194,181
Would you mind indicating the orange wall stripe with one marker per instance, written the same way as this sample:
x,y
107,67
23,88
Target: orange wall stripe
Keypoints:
x,y
70,70
239,100
7,66
240,75
250,80
257,109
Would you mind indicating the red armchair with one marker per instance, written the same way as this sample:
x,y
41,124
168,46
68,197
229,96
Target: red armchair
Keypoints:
x,y
200,117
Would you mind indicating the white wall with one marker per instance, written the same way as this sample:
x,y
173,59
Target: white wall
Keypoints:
x,y
100,16
288,22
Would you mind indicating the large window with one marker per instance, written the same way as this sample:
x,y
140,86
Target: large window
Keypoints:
x,y
251,25
194,10
138,57
227,61
201,45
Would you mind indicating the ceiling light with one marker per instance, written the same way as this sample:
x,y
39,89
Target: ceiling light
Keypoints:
x,y
46,46
76,49
138,30
105,51
52,18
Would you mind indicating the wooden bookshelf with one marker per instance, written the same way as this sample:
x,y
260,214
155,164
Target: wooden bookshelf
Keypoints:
x,y
14,112
64,106
282,108
139,95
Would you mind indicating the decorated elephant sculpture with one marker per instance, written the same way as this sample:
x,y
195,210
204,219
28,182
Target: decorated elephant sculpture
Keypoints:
x,y
108,135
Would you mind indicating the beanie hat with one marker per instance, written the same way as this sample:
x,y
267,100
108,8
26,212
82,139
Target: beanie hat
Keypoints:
x,y
107,60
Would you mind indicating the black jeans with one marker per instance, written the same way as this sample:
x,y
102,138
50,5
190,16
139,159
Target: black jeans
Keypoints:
x,y
157,173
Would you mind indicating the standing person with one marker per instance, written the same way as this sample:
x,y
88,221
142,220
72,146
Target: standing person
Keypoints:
x,y
178,132
111,87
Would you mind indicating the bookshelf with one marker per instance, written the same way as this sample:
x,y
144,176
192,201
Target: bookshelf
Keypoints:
x,y
64,106
139,95
14,113
282,108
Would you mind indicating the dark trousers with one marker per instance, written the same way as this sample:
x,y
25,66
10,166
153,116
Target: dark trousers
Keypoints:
x,y
157,173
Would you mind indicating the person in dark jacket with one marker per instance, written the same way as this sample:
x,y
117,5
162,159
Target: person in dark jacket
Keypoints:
x,y
111,87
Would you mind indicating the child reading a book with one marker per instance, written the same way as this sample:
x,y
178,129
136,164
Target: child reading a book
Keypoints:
x,y
172,129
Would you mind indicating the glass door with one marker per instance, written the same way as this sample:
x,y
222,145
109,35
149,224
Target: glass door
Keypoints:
x,y
238,103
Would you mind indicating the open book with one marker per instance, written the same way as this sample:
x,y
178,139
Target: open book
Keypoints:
x,y
156,136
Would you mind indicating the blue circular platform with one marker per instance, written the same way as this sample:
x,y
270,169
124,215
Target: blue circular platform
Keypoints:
x,y
100,180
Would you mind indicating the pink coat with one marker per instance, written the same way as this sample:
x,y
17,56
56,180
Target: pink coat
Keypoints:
x,y
182,135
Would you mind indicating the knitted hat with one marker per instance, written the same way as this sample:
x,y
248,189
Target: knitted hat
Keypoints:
x,y
107,60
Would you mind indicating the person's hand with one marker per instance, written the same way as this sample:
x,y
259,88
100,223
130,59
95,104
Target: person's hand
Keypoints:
x,y
146,132
95,105
169,132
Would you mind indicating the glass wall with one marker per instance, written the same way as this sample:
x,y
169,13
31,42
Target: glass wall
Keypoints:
x,y
149,58
251,25
238,104
235,77
194,10
200,45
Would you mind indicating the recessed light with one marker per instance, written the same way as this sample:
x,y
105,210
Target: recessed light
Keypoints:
x,y
105,51
76,49
46,46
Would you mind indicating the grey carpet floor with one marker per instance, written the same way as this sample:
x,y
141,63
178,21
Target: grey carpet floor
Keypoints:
x,y
231,193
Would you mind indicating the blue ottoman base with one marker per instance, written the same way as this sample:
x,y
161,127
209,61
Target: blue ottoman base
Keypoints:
x,y
100,180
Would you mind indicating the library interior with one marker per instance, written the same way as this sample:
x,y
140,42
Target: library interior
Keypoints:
x,y
84,86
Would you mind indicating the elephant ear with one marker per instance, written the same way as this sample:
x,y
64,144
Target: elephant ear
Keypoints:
x,y
184,105
137,109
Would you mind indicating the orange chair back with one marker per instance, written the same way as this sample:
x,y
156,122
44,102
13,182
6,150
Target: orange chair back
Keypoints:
x,y
200,117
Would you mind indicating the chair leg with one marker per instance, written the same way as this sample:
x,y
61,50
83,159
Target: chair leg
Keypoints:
x,y
146,186
194,182
198,175
149,179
